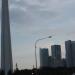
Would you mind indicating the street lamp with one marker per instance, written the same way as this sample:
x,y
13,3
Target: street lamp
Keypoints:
x,y
36,47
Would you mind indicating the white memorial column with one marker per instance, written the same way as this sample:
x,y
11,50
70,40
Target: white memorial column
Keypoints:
x,y
6,53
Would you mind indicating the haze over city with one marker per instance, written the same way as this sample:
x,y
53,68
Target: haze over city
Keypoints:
x,y
34,19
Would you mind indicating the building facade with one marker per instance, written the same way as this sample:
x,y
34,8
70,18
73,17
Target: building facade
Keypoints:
x,y
44,57
56,51
70,53
56,55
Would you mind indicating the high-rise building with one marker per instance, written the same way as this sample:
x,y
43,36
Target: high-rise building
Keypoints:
x,y
6,53
56,55
70,53
44,57
56,51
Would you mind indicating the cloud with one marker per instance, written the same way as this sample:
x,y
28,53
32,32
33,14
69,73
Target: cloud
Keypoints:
x,y
26,14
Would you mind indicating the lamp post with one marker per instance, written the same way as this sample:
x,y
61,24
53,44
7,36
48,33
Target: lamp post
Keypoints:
x,y
36,47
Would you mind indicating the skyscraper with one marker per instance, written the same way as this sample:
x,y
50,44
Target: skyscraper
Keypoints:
x,y
56,51
6,53
44,57
70,53
56,55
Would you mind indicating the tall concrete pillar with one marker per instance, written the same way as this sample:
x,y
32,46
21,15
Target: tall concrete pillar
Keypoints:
x,y
6,53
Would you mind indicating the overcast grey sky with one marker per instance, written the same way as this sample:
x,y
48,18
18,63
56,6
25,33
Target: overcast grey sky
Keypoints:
x,y
33,19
